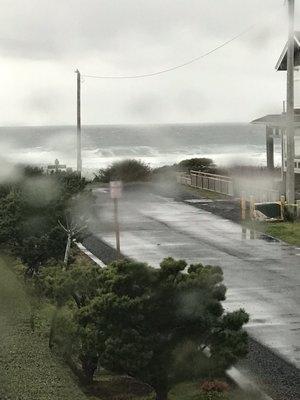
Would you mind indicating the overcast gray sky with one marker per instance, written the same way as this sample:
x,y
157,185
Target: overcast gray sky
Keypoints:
x,y
42,42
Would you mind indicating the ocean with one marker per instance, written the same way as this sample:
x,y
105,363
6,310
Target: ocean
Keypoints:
x,y
156,145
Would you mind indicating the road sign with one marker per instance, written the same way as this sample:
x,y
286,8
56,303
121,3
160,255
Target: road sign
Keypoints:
x,y
115,189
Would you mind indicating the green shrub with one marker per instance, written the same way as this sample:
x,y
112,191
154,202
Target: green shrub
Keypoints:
x,y
152,324
30,208
197,164
126,171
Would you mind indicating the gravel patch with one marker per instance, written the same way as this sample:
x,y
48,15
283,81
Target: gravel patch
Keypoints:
x,y
277,377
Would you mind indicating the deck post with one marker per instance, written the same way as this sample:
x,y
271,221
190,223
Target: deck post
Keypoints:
x,y
270,148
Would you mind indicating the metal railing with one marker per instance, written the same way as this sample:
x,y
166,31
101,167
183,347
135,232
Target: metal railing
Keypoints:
x,y
203,180
228,186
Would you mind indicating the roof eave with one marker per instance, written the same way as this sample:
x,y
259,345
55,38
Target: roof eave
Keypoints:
x,y
284,52
281,58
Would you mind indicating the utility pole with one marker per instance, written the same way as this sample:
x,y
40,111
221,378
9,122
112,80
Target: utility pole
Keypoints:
x,y
290,129
79,160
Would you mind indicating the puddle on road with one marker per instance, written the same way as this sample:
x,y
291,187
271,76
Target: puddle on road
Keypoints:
x,y
198,201
268,238
101,190
258,320
252,234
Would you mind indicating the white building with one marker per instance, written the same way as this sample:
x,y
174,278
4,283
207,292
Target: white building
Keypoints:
x,y
57,167
276,123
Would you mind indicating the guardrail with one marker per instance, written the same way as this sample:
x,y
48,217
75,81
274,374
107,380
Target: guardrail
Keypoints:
x,y
203,180
228,186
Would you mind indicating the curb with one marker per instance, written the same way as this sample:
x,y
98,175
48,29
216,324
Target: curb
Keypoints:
x,y
246,384
90,255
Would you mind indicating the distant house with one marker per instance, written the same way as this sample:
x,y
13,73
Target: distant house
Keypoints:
x,y
57,167
276,123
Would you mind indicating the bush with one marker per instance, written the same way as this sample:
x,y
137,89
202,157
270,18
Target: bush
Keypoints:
x,y
30,208
126,171
165,174
148,323
141,316
197,164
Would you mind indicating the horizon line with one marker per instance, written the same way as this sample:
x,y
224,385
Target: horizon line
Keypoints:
x,y
125,124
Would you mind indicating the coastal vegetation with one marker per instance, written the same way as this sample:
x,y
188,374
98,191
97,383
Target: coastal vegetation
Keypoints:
x,y
65,308
127,322
124,324
132,170
147,323
30,207
126,171
202,164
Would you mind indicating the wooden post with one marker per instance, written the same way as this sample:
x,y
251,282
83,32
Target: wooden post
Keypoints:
x,y
79,160
290,131
244,232
243,206
283,150
270,148
298,208
252,207
117,227
282,203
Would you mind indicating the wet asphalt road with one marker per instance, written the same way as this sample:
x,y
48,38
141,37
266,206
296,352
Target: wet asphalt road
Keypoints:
x,y
261,276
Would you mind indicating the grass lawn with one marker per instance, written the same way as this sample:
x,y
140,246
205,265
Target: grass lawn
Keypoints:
x,y
28,371
287,231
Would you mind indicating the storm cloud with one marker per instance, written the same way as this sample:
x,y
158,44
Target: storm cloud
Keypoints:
x,y
42,42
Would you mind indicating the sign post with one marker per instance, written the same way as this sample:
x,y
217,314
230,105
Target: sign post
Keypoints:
x,y
116,194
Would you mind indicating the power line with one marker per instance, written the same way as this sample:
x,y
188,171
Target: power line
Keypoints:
x,y
163,71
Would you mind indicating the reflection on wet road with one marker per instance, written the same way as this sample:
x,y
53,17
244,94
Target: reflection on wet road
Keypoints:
x,y
262,276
